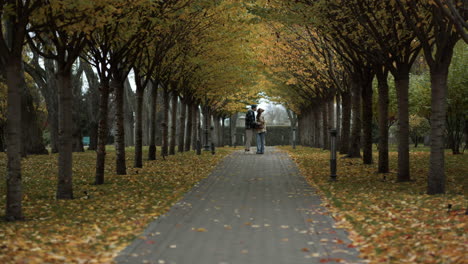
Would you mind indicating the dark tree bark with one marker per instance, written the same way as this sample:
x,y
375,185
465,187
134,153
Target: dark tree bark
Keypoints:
x,y
214,129
2,136
67,49
345,122
117,83
93,136
172,140
317,128
223,119
50,94
31,134
367,117
338,121
354,150
153,112
139,126
14,192
402,87
196,126
65,93
102,131
129,119
331,114
165,127
439,75
189,128
382,75
183,110
92,104
232,130
325,126
78,110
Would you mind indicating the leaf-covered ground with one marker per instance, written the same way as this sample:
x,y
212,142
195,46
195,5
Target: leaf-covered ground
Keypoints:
x,y
94,226
394,222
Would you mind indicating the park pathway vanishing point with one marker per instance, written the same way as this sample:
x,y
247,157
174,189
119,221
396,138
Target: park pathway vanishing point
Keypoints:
x,y
252,209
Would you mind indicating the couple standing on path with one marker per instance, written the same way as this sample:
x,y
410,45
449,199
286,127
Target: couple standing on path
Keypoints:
x,y
255,124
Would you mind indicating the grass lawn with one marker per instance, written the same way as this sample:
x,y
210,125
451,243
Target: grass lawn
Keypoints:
x,y
93,228
394,222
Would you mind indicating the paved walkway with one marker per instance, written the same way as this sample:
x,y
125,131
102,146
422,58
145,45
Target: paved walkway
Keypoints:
x,y
252,209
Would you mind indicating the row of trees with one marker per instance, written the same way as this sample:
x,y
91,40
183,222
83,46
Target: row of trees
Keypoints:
x,y
194,53
325,53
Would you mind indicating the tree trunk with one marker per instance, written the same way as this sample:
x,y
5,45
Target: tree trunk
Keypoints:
x,y
172,141
338,121
92,97
436,179
331,114
2,136
128,113
207,126
53,130
367,116
165,126
325,128
31,135
317,129
345,122
78,109
102,132
383,166
118,87
196,126
402,87
222,132
65,93
214,130
93,136
189,128
232,129
139,127
466,134
354,150
154,100
45,80
14,190
183,110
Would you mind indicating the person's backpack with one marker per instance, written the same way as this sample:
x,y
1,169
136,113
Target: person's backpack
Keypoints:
x,y
250,120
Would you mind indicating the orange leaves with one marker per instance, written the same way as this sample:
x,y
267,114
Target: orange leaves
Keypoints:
x,y
389,221
93,230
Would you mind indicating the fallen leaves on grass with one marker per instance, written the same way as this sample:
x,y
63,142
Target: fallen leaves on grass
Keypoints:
x,y
389,221
103,219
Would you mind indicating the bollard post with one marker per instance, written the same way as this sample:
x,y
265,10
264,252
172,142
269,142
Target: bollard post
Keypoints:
x,y
333,155
198,147
294,138
213,148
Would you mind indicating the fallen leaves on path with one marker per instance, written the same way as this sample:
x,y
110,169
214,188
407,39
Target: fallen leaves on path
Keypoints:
x,y
393,222
101,220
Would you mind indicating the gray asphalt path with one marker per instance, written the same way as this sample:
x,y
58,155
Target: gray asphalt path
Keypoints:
x,y
251,209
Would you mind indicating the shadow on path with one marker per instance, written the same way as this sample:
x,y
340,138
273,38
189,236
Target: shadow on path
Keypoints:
x,y
252,209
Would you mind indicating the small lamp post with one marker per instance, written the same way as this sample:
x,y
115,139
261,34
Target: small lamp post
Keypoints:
x,y
333,155
294,138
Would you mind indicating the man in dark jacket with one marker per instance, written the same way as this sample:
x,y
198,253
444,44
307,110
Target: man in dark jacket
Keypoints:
x,y
250,126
